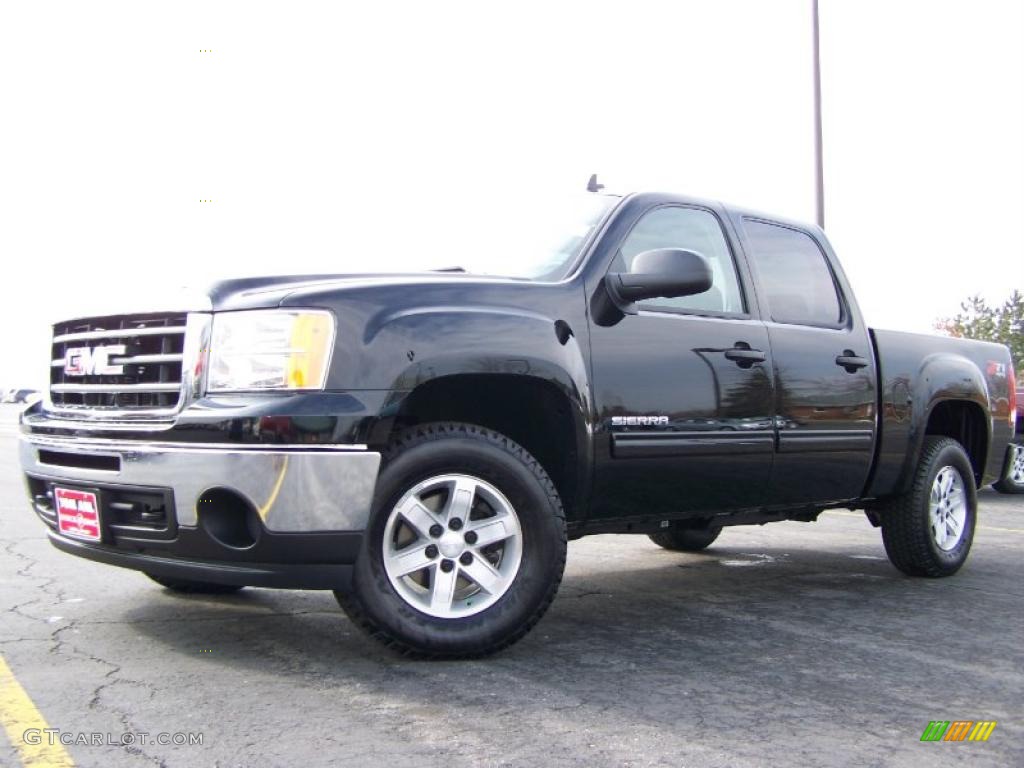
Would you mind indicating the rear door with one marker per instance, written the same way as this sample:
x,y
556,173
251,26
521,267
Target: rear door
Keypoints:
x,y
824,368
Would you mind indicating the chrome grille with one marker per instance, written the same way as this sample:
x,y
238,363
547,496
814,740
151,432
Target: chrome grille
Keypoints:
x,y
152,364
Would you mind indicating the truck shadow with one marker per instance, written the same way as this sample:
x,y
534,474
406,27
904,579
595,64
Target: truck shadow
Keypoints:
x,y
688,651
683,615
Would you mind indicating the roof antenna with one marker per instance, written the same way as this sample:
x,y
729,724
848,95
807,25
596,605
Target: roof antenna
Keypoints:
x,y
592,185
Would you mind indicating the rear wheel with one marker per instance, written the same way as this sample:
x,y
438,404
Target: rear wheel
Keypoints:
x,y
465,546
186,586
928,530
1012,480
684,539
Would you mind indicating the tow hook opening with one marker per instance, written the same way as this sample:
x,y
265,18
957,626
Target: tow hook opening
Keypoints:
x,y
228,518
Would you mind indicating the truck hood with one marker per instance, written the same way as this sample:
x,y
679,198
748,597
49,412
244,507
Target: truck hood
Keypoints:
x,y
272,291
246,293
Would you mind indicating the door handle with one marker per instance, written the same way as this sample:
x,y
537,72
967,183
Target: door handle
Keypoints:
x,y
850,361
745,356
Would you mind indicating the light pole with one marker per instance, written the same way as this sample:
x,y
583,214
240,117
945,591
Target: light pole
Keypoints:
x,y
819,187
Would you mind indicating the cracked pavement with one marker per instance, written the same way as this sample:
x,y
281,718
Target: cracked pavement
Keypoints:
x,y
790,643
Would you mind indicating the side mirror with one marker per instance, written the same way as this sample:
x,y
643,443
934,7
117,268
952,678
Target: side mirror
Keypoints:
x,y
664,272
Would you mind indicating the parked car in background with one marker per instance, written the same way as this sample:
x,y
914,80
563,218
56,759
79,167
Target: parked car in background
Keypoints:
x,y
27,396
1012,479
21,396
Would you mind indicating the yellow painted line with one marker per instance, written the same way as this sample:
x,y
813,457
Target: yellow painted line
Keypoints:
x,y
19,714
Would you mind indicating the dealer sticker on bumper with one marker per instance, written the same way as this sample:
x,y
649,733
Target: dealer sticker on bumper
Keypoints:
x,y
78,513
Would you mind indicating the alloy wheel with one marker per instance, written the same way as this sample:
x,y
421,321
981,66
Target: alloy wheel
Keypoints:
x,y
452,546
947,508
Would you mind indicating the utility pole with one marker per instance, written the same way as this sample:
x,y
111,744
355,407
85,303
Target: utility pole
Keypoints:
x,y
819,171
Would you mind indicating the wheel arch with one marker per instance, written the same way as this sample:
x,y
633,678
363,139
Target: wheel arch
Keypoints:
x,y
965,422
546,416
948,397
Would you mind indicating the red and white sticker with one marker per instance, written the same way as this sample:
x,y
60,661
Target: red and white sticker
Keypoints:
x,y
78,513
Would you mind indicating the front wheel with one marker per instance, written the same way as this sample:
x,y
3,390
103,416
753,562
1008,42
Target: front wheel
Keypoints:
x,y
928,530
1012,480
465,546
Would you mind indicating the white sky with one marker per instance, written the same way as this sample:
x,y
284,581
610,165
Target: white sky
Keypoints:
x,y
339,137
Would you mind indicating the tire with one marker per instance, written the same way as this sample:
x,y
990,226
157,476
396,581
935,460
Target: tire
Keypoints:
x,y
434,613
186,587
918,541
685,539
1012,480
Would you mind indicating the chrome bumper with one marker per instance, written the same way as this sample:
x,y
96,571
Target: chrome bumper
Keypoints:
x,y
297,488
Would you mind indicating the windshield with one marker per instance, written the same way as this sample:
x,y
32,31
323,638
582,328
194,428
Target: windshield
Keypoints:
x,y
511,233
540,244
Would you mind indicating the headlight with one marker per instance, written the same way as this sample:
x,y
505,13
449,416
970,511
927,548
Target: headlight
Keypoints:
x,y
270,349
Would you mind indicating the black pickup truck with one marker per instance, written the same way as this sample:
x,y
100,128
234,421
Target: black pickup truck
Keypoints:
x,y
426,444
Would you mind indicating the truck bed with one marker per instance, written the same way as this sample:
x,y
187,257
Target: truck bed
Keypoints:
x,y
908,365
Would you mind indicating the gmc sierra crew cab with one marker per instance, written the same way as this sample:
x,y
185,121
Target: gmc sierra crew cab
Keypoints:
x,y
426,444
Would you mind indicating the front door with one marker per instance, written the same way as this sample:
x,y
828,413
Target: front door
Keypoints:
x,y
682,390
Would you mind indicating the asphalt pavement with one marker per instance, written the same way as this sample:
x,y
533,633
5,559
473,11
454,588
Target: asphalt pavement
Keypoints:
x,y
787,644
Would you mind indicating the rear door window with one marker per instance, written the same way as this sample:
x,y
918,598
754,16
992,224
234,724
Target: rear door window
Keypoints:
x,y
795,279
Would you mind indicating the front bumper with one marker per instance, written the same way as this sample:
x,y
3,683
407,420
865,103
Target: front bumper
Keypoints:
x,y
262,515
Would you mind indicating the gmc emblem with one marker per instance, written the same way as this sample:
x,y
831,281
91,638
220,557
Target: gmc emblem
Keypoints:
x,y
93,361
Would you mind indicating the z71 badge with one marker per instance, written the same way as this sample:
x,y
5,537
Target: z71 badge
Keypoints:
x,y
639,421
